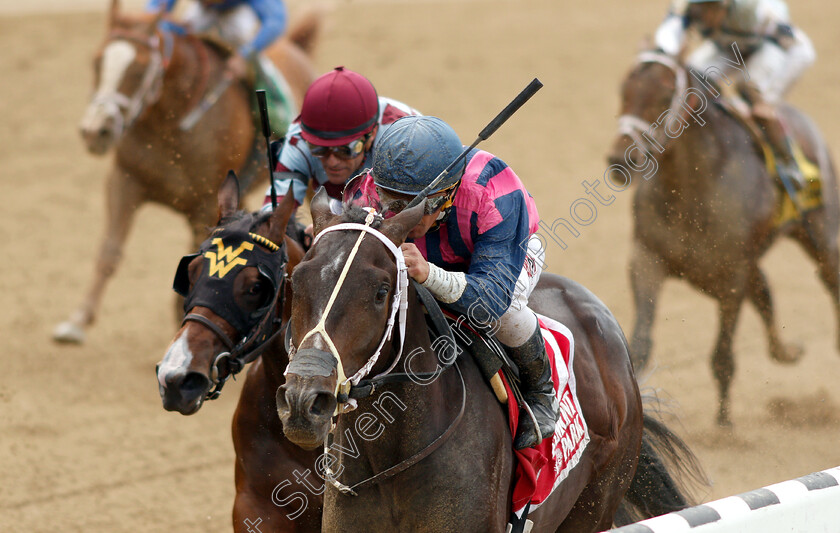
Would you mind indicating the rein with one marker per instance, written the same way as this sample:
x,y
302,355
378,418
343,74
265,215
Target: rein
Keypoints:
x,y
639,129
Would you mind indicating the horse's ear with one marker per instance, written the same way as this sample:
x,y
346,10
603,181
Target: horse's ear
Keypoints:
x,y
113,12
397,227
280,218
320,210
228,195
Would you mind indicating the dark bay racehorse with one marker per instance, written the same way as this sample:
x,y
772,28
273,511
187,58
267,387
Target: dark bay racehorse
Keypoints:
x,y
706,211
435,455
196,362
146,81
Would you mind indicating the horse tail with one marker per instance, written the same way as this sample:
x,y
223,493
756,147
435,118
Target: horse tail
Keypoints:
x,y
304,33
667,473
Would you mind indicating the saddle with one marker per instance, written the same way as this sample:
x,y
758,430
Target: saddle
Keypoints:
x,y
541,469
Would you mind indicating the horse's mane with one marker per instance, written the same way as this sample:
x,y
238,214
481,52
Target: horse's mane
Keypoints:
x,y
254,220
355,214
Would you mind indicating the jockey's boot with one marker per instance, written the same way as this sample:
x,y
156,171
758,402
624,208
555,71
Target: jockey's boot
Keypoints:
x,y
538,391
277,92
786,163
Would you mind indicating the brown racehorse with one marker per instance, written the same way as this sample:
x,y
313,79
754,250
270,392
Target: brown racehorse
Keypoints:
x,y
146,81
267,487
706,214
437,456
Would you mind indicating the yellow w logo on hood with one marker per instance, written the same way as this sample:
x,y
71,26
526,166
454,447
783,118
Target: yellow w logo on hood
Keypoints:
x,y
225,258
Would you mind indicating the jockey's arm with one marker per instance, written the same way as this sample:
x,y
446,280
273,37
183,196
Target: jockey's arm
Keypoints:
x,y
670,36
154,6
272,16
283,182
497,260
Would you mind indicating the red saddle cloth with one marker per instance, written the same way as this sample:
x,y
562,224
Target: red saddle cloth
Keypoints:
x,y
539,470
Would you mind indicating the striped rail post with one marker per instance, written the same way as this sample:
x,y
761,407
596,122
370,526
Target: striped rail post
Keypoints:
x,y
808,504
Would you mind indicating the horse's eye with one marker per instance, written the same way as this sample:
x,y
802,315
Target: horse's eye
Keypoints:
x,y
256,288
382,293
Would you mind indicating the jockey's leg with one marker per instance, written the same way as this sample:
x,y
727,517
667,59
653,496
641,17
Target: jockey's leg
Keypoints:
x,y
238,27
773,69
518,330
199,19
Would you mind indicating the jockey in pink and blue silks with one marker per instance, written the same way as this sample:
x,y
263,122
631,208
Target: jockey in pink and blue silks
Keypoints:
x,y
249,26
473,249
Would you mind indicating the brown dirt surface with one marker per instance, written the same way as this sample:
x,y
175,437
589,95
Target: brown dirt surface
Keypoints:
x,y
84,442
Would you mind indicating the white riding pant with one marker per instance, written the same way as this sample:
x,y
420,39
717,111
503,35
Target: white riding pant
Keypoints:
x,y
237,26
771,68
519,322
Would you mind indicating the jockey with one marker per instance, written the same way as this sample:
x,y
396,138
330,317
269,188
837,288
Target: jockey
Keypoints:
x,y
473,249
249,26
776,53
340,121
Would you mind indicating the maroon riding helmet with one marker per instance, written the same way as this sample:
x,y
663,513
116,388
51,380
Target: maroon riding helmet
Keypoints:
x,y
338,108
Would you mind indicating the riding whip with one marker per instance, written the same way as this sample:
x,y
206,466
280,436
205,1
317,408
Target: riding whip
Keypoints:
x,y
266,128
488,130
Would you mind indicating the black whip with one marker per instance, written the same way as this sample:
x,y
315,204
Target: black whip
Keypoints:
x,y
488,130
266,128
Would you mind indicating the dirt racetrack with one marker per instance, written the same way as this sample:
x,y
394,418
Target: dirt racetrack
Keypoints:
x,y
84,442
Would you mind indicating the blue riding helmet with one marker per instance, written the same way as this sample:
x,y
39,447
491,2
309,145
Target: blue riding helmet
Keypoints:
x,y
413,152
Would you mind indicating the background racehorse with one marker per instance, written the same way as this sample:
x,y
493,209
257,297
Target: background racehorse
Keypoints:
x,y
265,460
435,468
146,81
707,214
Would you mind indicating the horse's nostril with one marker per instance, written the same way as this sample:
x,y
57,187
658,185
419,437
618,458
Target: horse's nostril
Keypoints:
x,y
103,132
322,405
194,383
280,398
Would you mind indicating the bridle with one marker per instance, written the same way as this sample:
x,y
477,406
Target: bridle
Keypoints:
x,y
639,129
399,308
348,389
228,363
124,108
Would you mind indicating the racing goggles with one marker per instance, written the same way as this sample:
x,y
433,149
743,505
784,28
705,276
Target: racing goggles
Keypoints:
x,y
394,203
344,151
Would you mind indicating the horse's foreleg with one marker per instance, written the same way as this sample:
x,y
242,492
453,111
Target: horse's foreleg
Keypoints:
x,y
759,294
647,273
723,361
821,246
122,197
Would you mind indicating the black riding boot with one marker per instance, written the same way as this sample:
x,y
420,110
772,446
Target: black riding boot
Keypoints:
x,y
537,388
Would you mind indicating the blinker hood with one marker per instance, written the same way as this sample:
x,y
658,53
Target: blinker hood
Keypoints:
x,y
225,255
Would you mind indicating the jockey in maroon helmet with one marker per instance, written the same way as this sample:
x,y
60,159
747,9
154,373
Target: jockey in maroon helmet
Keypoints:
x,y
331,141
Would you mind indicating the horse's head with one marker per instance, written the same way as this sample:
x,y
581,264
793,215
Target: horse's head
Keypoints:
x,y
652,113
347,295
128,73
233,298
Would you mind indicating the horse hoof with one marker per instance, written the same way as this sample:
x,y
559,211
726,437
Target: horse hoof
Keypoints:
x,y
69,333
788,354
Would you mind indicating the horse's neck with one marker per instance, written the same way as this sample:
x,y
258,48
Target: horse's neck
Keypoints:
x,y
692,161
191,71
